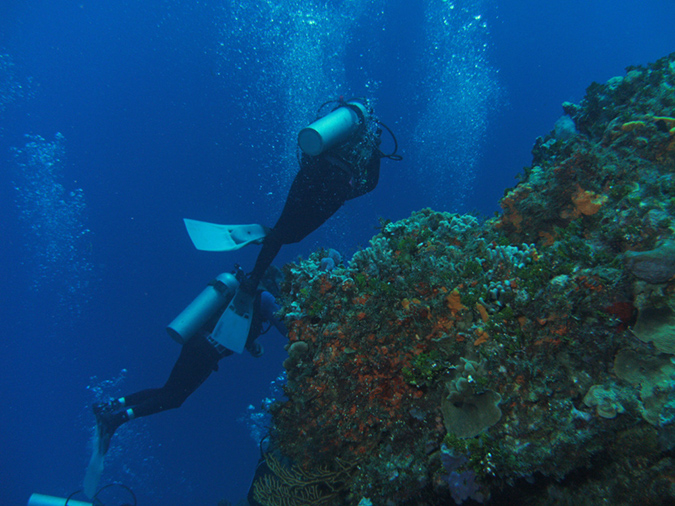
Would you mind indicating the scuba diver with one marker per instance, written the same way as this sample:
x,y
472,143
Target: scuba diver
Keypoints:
x,y
200,354
339,161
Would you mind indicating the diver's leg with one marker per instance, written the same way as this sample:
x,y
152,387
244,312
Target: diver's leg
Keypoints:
x,y
313,198
270,249
315,195
139,397
124,402
197,360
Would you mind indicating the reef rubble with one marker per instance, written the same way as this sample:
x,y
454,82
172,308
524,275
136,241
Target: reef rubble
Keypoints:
x,y
523,359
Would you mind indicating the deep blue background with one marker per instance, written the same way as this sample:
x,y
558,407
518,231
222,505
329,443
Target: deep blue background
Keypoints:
x,y
153,135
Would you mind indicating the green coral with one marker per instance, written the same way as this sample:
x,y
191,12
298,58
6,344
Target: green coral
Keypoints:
x,y
425,369
483,457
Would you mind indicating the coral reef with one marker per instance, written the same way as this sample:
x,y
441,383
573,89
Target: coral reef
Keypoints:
x,y
504,361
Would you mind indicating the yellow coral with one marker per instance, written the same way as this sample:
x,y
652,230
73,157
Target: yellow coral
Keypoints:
x,y
670,122
585,203
295,486
632,125
483,337
454,302
483,312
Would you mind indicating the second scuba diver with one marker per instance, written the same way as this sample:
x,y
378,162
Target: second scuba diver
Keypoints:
x,y
199,355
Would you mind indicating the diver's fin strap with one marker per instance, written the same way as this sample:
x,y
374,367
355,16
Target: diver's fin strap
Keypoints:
x,y
213,237
233,327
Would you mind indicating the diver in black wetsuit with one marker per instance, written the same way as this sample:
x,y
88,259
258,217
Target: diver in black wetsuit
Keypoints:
x,y
340,161
199,357
323,184
318,191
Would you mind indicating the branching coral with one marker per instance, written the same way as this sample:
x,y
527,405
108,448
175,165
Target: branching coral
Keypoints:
x,y
295,486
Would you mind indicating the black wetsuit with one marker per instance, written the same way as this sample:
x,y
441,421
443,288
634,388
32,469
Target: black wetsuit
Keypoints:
x,y
197,360
323,184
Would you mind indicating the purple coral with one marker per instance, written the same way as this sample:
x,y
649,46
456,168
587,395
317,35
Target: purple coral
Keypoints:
x,y
462,485
331,260
327,264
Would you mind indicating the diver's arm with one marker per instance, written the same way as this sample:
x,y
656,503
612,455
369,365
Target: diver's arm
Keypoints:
x,y
373,173
268,309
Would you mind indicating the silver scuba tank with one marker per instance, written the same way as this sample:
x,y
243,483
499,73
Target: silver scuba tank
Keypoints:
x,y
48,500
215,297
333,128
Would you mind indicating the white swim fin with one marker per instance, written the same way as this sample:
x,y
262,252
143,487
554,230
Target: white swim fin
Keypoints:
x,y
213,237
95,467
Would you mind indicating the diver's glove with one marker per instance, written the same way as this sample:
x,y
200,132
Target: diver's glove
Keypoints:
x,y
255,349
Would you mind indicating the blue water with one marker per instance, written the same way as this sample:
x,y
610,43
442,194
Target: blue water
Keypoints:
x,y
142,113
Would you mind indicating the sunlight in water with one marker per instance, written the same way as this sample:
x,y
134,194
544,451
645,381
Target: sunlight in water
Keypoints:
x,y
292,53
461,89
56,236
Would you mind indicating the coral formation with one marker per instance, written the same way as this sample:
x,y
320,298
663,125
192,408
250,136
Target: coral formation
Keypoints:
x,y
654,376
498,361
604,400
462,484
469,409
657,325
654,266
292,486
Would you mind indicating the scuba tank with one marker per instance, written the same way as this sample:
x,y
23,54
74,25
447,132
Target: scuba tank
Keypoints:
x,y
214,298
48,500
334,128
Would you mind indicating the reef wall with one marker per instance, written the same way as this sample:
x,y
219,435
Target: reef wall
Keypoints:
x,y
528,357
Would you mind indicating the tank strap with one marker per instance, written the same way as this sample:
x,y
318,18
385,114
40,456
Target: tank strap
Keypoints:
x,y
219,285
340,164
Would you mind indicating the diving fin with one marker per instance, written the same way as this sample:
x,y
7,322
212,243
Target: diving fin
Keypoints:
x,y
233,327
213,237
95,467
